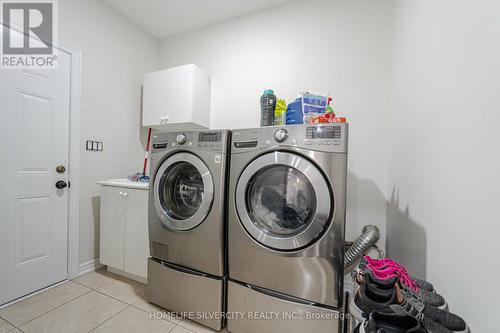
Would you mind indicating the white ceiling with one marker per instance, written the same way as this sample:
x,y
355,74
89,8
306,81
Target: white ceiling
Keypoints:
x,y
164,18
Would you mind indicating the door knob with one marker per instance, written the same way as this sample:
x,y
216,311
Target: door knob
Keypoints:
x,y
61,184
60,169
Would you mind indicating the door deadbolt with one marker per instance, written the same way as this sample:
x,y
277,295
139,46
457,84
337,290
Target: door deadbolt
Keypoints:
x,y
60,169
61,184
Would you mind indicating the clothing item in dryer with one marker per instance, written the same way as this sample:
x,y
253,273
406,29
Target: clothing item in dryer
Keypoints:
x,y
282,201
287,216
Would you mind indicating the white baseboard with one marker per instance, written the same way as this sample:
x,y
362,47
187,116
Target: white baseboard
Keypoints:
x,y
128,275
89,266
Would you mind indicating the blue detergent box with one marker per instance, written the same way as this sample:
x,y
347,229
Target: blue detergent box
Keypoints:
x,y
294,115
313,105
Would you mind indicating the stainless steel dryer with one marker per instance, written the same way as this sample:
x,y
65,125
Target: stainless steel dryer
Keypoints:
x,y
186,271
287,197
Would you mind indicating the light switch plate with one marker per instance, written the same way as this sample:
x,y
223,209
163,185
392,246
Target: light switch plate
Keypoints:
x,y
91,145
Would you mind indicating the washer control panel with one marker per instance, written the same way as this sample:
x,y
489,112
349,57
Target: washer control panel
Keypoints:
x,y
204,140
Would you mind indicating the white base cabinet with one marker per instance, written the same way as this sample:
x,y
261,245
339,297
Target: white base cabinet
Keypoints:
x,y
124,244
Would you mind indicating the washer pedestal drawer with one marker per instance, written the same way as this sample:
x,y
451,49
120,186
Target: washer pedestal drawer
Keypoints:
x,y
253,310
197,296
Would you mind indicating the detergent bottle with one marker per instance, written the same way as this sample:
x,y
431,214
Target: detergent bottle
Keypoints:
x,y
267,105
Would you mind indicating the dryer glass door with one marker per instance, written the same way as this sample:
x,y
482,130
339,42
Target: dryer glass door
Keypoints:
x,y
283,201
183,191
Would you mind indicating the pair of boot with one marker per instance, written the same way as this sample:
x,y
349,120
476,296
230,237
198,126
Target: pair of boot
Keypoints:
x,y
391,300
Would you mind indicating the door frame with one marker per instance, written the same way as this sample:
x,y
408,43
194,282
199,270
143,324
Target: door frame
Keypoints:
x,y
73,249
74,161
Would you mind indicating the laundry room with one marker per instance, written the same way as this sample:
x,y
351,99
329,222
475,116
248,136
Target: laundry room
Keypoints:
x,y
249,166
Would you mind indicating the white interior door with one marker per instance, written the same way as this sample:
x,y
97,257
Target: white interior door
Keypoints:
x,y
34,137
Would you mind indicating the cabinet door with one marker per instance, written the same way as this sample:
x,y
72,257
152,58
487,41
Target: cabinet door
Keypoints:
x,y
168,96
112,226
136,232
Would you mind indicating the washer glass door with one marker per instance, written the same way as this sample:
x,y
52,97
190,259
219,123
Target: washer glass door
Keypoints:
x,y
283,201
183,191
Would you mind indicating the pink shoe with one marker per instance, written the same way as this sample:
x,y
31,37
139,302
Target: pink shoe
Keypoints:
x,y
386,263
391,272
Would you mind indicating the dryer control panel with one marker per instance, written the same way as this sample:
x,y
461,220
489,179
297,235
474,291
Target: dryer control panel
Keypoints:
x,y
324,137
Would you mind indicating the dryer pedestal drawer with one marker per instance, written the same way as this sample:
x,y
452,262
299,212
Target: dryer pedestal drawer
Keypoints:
x,y
200,297
251,311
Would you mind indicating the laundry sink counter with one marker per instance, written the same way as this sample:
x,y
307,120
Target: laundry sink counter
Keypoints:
x,y
124,183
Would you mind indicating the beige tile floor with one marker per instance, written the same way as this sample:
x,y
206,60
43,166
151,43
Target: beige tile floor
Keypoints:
x,y
96,302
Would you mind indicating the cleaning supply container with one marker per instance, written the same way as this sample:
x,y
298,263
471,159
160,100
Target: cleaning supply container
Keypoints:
x,y
294,115
267,105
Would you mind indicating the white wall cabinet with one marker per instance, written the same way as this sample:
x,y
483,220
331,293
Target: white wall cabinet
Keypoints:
x,y
177,97
124,245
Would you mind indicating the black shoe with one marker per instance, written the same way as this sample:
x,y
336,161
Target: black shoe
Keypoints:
x,y
429,297
447,319
393,303
443,318
385,323
367,301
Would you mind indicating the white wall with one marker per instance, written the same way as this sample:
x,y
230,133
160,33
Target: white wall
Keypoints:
x,y
115,55
339,47
444,218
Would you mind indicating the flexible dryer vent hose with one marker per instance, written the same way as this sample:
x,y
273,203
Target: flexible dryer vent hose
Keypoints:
x,y
368,238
